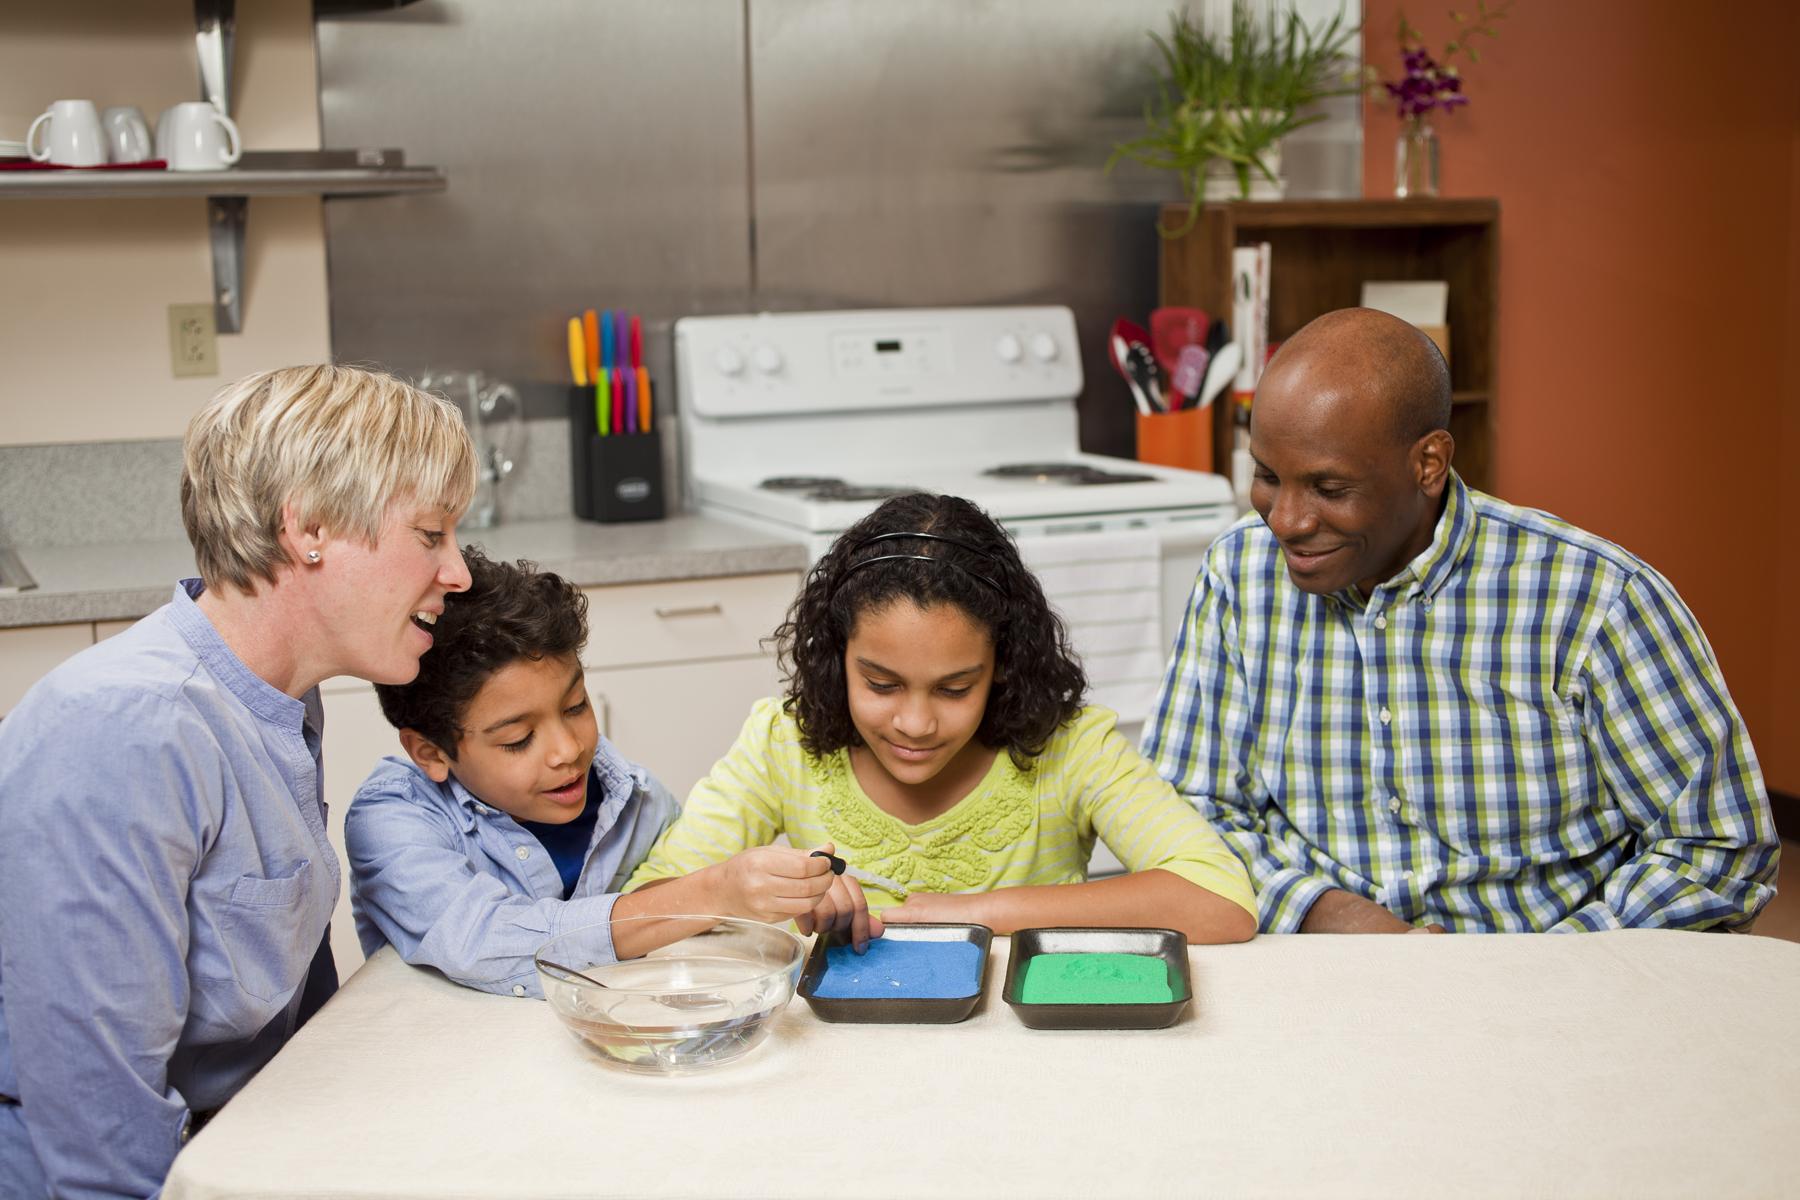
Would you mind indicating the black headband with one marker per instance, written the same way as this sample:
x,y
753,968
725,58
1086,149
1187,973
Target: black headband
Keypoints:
x,y
930,537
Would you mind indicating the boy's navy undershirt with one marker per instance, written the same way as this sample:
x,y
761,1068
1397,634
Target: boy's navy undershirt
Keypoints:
x,y
568,844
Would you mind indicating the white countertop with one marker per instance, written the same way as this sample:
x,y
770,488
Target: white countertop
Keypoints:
x,y
1620,1064
125,581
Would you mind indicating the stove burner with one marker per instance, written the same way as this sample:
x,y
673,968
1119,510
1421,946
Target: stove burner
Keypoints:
x,y
1067,474
1044,472
839,490
801,483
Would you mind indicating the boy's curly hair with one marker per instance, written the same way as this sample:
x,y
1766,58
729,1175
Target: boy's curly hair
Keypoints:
x,y
1038,684
512,611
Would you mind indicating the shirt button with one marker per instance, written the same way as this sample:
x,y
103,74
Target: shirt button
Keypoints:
x,y
1406,875
523,853
1393,804
1386,716
1381,621
518,989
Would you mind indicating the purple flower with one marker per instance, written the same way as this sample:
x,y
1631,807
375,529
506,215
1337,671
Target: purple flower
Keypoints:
x,y
1425,86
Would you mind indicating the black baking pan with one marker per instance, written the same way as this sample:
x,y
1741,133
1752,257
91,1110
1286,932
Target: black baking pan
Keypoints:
x,y
900,1010
1166,945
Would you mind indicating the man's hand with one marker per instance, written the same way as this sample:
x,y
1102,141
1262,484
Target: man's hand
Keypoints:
x,y
1338,911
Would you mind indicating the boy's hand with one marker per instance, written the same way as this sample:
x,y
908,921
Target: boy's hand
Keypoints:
x,y
773,883
843,909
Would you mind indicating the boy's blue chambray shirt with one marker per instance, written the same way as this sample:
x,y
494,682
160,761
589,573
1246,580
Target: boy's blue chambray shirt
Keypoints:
x,y
1525,729
456,884
165,884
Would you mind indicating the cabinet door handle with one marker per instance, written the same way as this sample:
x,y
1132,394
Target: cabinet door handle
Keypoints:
x,y
690,610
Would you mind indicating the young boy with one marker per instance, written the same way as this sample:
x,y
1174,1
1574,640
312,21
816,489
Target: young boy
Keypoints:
x,y
514,820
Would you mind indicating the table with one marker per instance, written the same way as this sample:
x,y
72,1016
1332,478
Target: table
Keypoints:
x,y
1631,1063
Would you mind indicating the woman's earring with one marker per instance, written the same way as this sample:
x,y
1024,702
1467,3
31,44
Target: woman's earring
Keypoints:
x,y
312,556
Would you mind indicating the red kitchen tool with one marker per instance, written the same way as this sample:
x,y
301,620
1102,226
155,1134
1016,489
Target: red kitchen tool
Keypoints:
x,y
1173,328
1125,335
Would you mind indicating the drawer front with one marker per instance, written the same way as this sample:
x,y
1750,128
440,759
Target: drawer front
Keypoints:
x,y
685,620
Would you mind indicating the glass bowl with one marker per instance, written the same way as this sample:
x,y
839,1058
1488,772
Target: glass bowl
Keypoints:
x,y
705,998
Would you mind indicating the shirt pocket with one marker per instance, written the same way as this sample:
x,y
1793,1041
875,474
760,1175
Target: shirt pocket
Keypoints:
x,y
266,939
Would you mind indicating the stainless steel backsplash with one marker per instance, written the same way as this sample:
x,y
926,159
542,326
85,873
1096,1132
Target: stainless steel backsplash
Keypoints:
x,y
703,156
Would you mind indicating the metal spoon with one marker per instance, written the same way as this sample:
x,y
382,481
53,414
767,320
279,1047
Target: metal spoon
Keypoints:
x,y
685,1000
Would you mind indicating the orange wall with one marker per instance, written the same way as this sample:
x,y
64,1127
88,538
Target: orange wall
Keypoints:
x,y
1646,154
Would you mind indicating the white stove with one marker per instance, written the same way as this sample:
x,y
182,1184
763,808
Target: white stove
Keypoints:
x,y
803,422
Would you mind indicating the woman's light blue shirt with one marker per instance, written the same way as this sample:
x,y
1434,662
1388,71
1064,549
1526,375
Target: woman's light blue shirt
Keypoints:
x,y
165,884
456,884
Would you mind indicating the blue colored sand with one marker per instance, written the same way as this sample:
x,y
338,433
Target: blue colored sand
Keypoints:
x,y
897,970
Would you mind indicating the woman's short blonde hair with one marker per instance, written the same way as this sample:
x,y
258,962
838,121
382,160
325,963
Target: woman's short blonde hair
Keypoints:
x,y
340,444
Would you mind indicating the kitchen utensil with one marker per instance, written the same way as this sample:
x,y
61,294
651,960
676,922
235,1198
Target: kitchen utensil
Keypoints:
x,y
1173,328
1217,334
840,867
577,353
1189,374
640,1014
1140,366
590,332
1220,372
1118,346
127,134
72,136
200,138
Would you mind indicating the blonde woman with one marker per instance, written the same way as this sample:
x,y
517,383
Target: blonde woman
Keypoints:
x,y
165,882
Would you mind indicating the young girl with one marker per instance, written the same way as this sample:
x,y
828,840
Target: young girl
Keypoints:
x,y
934,735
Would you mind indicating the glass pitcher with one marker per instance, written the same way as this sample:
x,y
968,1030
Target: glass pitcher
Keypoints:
x,y
495,418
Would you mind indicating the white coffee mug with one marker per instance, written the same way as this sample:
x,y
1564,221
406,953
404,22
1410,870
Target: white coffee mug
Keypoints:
x,y
200,137
127,134
72,135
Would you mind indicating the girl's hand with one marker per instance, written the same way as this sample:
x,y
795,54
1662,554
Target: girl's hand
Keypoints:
x,y
930,906
773,883
842,909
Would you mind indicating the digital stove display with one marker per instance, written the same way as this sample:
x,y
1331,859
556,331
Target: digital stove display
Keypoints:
x,y
888,346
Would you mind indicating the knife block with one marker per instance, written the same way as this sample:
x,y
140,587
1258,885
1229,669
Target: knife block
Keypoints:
x,y
614,478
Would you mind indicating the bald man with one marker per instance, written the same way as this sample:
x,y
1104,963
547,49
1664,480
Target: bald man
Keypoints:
x,y
1410,707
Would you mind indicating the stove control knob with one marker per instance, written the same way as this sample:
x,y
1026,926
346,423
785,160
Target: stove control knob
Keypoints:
x,y
1008,348
1043,347
729,361
767,359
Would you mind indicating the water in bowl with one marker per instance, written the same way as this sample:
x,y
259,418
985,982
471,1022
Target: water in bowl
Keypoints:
x,y
684,1014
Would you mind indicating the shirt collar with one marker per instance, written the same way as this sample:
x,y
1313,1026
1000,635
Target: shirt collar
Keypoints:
x,y
256,693
1449,544
1424,575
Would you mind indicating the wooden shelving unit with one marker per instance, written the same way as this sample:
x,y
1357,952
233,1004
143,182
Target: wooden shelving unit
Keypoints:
x,y
1321,252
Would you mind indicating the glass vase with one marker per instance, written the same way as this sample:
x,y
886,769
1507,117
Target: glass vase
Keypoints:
x,y
1416,160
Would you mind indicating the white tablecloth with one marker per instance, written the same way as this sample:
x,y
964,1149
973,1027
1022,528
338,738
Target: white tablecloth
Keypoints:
x,y
1618,1064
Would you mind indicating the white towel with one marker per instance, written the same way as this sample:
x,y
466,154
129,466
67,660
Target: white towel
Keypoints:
x,y
1108,588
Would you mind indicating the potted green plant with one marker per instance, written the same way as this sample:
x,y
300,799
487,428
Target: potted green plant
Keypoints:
x,y
1222,106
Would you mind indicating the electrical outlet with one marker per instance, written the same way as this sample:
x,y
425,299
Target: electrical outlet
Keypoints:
x,y
193,340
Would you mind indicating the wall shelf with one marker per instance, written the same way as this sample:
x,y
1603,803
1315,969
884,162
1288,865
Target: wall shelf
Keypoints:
x,y
76,184
227,193
1321,253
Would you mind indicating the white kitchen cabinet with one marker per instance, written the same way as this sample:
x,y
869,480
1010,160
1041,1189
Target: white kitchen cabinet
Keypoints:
x,y
28,654
106,629
678,720
357,736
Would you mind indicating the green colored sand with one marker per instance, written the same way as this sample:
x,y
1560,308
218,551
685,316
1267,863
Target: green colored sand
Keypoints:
x,y
1095,979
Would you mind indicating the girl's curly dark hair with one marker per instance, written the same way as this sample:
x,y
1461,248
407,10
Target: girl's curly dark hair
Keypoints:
x,y
1038,683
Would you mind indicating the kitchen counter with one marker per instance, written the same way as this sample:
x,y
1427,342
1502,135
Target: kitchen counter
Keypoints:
x,y
124,581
